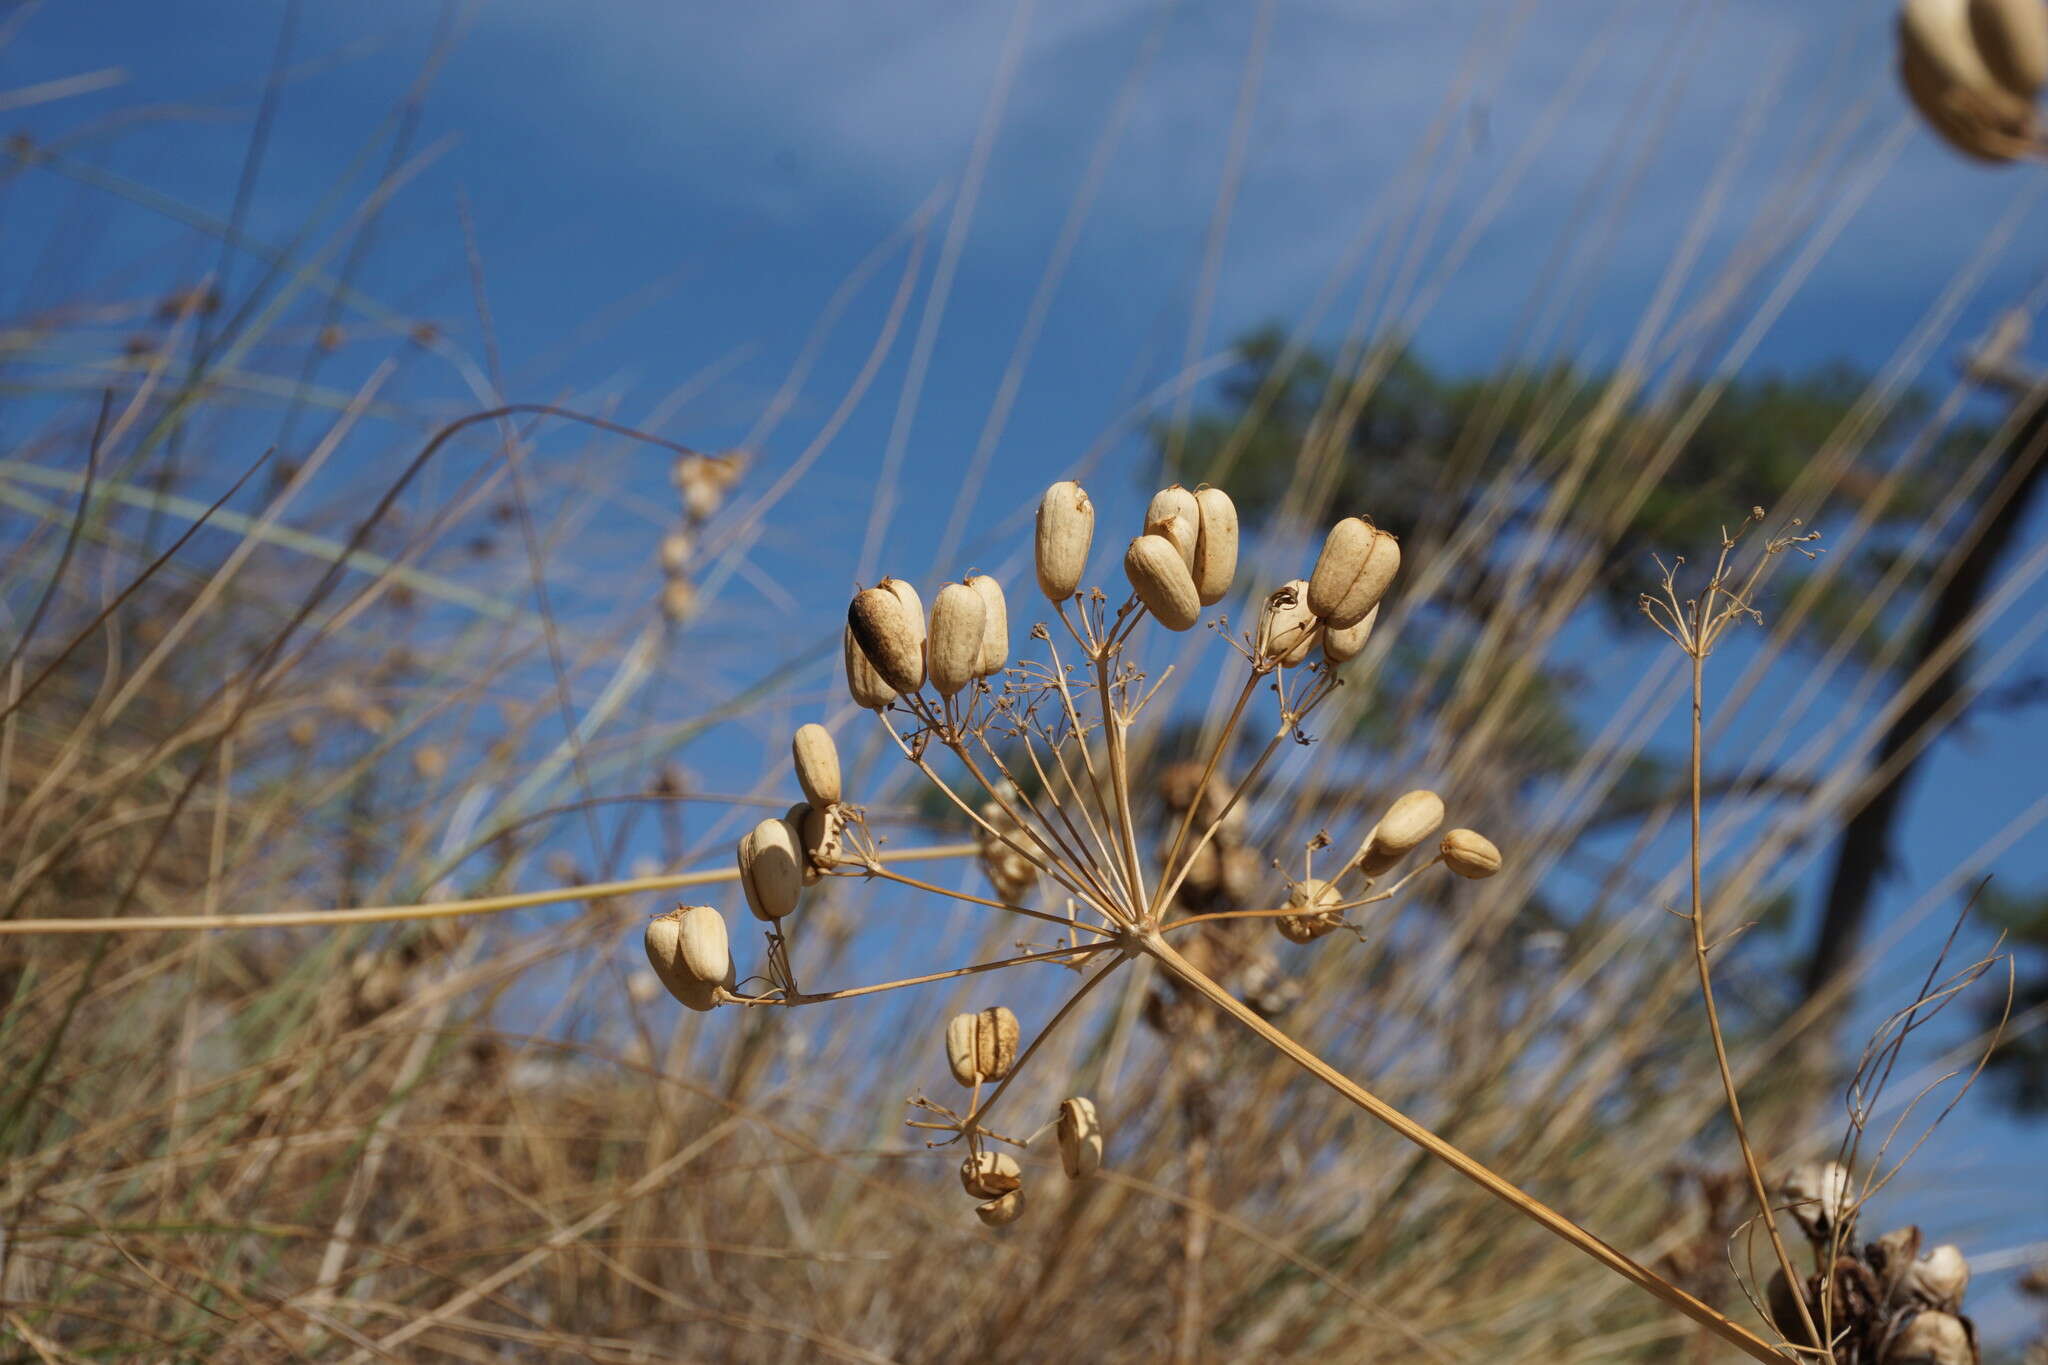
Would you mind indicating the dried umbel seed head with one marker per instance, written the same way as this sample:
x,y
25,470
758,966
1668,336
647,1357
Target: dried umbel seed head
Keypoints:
x,y
771,868
1948,78
1412,818
1820,1196
995,626
890,637
1161,579
955,643
688,950
1288,630
862,681
981,1045
1080,1134
1891,1258
1215,545
1469,853
1353,573
1314,897
997,1212
1932,1338
1066,528
1175,514
2012,37
1342,646
817,764
1939,1278
991,1175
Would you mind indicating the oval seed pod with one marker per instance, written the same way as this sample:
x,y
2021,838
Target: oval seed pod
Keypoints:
x,y
991,1175
1288,630
1066,528
954,646
666,938
1162,581
890,637
706,953
2012,38
995,1042
1819,1195
823,829
1181,516
771,868
1932,1338
1313,897
1946,75
1353,572
862,681
960,1048
997,1212
1080,1133
1939,1278
995,626
797,817
817,764
1341,646
1412,818
913,605
1215,545
1470,854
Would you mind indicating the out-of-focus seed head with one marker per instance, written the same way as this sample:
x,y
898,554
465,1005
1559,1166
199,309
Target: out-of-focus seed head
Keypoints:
x,y
1010,872
1239,874
1215,545
991,1175
676,548
688,950
1161,579
2012,37
1932,1337
1939,1278
1204,869
1469,853
678,600
1891,1258
1820,1196
982,1044
771,868
1175,514
1066,528
863,682
995,626
817,764
1313,897
1353,573
1288,630
890,637
954,646
1080,1134
1783,1307
1342,646
1412,818
1947,77
999,1212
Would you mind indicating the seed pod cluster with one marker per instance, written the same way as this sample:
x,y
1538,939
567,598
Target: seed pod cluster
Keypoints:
x,y
991,1175
1080,1135
1066,529
1973,69
772,868
690,954
1288,630
1939,1278
1313,898
982,1045
1932,1337
1412,818
1820,1197
1353,573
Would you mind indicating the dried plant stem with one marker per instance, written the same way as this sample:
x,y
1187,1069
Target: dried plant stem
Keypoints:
x,y
1479,1174
1072,952
1114,726
937,890
1166,866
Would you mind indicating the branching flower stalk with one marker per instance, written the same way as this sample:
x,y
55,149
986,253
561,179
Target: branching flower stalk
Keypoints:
x,y
1045,748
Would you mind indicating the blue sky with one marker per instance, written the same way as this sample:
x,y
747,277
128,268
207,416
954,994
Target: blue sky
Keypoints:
x,y
669,190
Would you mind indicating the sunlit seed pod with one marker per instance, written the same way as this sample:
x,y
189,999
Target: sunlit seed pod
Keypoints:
x,y
1932,1337
1080,1134
1939,1278
2012,39
1820,1196
960,1048
998,1212
1288,630
1066,528
1215,545
706,953
1175,514
1160,578
1342,646
816,759
1891,1259
1412,818
1470,854
863,683
995,626
991,1175
675,552
913,605
890,637
678,600
1354,571
1948,80
1312,897
771,868
824,836
954,646
797,816
995,1042
669,952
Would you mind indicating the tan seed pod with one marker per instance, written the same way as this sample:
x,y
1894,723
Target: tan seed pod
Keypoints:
x,y
991,1175
817,764
1066,528
913,605
954,646
673,940
824,835
1939,1278
890,637
1470,854
678,600
1175,514
2012,38
705,951
1891,1258
771,868
675,552
995,1042
1932,1338
863,683
1312,897
997,1212
1820,1196
1354,571
1948,80
1342,646
995,626
797,817
1215,545
1161,579
1412,818
1288,630
1080,1134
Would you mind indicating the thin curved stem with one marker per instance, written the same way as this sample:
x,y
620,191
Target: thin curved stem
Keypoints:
x,y
794,998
